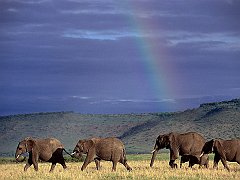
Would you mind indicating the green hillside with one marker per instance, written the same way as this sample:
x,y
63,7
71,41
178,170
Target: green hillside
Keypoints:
x,y
212,120
138,131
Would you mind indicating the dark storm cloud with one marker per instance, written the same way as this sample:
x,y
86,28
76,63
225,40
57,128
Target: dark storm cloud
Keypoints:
x,y
84,55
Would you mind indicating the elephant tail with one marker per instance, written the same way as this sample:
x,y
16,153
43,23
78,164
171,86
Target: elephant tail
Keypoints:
x,y
67,152
124,155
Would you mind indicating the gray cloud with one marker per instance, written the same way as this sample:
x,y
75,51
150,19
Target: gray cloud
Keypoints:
x,y
78,52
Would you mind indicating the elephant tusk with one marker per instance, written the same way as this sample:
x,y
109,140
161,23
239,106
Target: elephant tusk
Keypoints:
x,y
17,156
73,153
201,154
153,151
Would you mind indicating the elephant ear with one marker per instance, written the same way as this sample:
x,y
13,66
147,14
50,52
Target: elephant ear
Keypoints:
x,y
173,146
30,143
218,147
88,144
210,145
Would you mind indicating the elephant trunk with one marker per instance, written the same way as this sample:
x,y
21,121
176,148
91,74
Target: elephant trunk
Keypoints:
x,y
73,154
155,151
76,154
21,156
18,158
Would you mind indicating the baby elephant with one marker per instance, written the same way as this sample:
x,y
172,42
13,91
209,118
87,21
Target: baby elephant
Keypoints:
x,y
204,160
48,150
108,149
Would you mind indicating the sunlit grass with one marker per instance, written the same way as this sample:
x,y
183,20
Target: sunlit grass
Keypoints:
x,y
141,170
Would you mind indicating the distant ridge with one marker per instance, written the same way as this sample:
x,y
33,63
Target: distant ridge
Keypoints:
x,y
232,103
138,131
36,113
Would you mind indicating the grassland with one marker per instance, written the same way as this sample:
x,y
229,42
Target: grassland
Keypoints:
x,y
139,163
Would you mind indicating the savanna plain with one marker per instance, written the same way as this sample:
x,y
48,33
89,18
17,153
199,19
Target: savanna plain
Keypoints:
x,y
139,163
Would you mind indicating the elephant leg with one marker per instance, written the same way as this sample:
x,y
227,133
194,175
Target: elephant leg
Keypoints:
x,y
57,157
27,166
207,164
35,158
114,165
201,164
29,163
84,165
172,164
52,167
216,160
128,167
61,161
97,162
173,157
86,162
63,165
124,162
183,160
224,162
180,164
190,165
35,165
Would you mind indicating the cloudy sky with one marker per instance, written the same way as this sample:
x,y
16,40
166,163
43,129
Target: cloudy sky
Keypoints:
x,y
126,56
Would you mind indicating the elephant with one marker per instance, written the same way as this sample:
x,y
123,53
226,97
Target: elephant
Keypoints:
x,y
190,143
97,149
48,150
225,150
204,160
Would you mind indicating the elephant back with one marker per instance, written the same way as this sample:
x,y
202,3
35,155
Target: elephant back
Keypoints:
x,y
191,143
55,143
108,147
117,142
112,142
49,144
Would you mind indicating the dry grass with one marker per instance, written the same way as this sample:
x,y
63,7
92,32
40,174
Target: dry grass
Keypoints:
x,y
141,170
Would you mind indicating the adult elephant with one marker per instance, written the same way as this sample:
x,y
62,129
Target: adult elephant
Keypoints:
x,y
108,149
190,143
48,150
225,150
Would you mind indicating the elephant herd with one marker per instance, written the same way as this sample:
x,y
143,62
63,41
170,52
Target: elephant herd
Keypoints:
x,y
51,150
190,146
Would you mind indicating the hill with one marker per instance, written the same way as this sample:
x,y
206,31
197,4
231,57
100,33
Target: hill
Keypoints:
x,y
138,131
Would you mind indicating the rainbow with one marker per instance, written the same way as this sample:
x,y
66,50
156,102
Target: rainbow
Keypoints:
x,y
158,70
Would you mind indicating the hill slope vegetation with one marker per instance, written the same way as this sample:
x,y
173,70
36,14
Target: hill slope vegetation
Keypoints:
x,y
138,131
